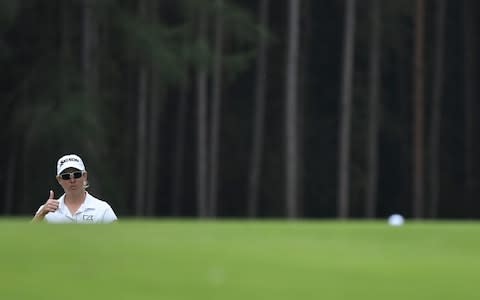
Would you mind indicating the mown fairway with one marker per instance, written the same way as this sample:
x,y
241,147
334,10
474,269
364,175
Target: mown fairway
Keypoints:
x,y
189,259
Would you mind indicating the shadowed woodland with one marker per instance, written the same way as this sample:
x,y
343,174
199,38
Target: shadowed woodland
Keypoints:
x,y
242,108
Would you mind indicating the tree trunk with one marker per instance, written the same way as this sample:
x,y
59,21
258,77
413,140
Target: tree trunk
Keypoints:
x,y
65,49
153,170
303,95
179,153
141,166
373,127
155,111
418,176
90,45
259,115
202,122
10,178
435,129
346,111
216,110
91,77
291,113
470,98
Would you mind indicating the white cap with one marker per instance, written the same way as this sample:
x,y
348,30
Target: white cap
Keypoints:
x,y
70,161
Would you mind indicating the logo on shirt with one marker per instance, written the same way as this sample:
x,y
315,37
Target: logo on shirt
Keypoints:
x,y
88,218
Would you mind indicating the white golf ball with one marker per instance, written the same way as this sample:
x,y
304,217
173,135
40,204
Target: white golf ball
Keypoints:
x,y
395,220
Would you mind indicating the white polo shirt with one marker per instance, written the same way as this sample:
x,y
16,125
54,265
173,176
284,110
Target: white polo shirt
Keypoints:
x,y
92,210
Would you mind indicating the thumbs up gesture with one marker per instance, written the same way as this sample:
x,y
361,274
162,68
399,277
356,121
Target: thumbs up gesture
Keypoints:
x,y
51,205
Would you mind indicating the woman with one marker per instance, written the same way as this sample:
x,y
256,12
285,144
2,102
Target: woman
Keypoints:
x,y
76,205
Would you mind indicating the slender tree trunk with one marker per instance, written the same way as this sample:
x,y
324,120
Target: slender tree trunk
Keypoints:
x,y
25,141
141,165
130,115
259,115
303,95
402,79
10,179
155,111
90,45
91,77
216,110
202,154
375,84
435,129
346,111
180,127
27,145
418,176
65,49
471,92
291,110
153,169
180,147
181,119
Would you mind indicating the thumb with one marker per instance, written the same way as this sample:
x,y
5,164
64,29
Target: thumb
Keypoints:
x,y
51,195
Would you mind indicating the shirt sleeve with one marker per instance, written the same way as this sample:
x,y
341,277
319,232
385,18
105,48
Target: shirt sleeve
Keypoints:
x,y
109,215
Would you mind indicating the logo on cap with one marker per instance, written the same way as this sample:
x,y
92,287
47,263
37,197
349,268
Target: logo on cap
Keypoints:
x,y
68,159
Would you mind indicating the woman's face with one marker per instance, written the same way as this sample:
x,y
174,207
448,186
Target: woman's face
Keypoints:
x,y
72,180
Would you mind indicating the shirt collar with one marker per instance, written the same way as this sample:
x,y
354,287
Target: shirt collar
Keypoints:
x,y
87,203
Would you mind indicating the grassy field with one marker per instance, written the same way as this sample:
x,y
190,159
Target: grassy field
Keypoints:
x,y
190,259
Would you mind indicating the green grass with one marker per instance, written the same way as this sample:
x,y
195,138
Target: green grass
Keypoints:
x,y
189,259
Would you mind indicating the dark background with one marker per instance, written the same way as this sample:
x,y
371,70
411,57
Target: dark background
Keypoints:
x,y
71,82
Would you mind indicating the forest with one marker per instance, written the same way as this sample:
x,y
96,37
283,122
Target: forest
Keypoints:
x,y
244,109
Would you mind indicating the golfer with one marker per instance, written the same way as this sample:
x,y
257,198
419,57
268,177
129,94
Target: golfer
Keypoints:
x,y
76,205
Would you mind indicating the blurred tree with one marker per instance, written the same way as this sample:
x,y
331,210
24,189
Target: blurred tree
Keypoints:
x,y
89,100
180,123
346,111
8,13
216,112
418,133
373,108
141,154
157,94
437,94
471,93
291,110
90,49
259,114
202,116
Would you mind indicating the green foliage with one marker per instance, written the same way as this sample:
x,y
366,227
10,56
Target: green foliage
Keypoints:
x,y
237,63
8,11
172,49
154,44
